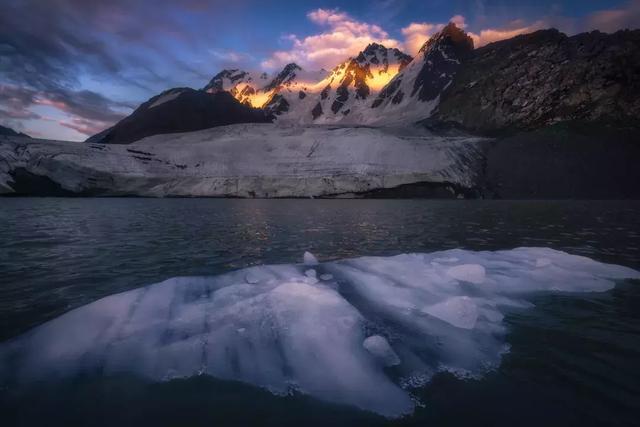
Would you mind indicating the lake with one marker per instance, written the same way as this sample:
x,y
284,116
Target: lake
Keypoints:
x,y
572,358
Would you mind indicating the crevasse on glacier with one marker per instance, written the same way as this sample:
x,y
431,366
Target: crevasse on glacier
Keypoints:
x,y
361,332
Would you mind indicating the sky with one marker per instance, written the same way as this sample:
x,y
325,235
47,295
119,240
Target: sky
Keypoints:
x,y
71,68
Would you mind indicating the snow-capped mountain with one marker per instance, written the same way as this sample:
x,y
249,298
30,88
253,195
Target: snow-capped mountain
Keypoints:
x,y
290,86
345,94
243,85
260,90
297,96
378,86
415,91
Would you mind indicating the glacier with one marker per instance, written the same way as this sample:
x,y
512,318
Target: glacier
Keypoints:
x,y
247,160
363,332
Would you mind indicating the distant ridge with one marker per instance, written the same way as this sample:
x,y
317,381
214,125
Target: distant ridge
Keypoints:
x,y
5,131
180,110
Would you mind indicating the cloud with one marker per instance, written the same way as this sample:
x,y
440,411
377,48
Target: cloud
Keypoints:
x,y
83,106
16,103
416,34
342,37
52,48
610,20
9,115
84,126
514,28
230,56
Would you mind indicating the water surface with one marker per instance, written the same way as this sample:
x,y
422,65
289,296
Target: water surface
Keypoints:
x,y
573,358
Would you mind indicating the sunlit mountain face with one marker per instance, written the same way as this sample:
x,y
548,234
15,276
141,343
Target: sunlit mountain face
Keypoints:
x,y
334,94
366,74
376,86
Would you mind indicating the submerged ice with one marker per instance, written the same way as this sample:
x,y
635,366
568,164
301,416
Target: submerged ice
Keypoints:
x,y
361,332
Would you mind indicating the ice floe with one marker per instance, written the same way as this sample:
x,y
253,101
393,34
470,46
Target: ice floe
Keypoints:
x,y
372,329
309,259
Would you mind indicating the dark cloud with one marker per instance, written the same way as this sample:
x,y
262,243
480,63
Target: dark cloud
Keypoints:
x,y
84,103
43,46
48,47
16,102
84,106
54,39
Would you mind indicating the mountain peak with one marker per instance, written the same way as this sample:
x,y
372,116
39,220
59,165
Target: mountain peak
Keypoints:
x,y
372,48
292,66
224,78
451,35
287,75
376,53
452,29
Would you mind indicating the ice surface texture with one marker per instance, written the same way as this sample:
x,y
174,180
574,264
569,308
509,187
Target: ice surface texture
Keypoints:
x,y
364,335
249,160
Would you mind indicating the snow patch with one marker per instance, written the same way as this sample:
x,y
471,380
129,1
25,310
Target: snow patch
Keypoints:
x,y
460,312
472,273
309,259
165,98
379,348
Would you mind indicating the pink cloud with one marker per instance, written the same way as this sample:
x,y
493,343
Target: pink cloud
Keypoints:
x,y
60,105
22,114
416,34
610,20
343,37
84,126
514,28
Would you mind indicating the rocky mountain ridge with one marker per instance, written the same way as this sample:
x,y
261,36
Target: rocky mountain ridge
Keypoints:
x,y
546,77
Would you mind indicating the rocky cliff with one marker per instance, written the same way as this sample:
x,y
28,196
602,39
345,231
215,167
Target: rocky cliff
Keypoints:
x,y
537,79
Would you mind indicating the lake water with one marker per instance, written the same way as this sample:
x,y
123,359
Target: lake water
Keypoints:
x,y
573,358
